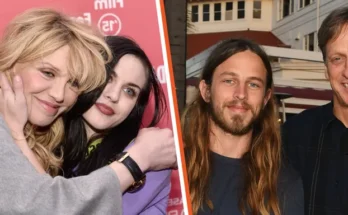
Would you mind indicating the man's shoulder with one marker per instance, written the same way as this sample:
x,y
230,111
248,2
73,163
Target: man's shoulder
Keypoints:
x,y
298,129
307,117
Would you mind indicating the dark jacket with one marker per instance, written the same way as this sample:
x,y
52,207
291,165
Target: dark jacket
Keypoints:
x,y
313,143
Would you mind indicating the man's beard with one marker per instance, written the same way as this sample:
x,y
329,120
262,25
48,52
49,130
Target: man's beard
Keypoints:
x,y
233,125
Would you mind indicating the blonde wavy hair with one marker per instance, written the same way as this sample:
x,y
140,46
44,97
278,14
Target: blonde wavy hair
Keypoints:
x,y
261,163
37,33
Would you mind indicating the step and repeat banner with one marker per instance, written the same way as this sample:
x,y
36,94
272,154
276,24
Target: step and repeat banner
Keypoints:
x,y
132,18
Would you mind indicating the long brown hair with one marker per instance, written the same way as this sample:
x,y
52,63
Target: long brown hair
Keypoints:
x,y
261,163
39,32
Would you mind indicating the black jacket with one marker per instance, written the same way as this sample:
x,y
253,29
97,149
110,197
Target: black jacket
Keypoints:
x,y
315,142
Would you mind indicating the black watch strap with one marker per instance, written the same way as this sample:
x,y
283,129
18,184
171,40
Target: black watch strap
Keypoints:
x,y
131,165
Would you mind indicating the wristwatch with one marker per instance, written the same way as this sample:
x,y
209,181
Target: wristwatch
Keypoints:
x,y
138,176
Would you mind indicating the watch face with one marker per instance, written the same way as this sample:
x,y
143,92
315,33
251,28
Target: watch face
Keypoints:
x,y
138,175
136,186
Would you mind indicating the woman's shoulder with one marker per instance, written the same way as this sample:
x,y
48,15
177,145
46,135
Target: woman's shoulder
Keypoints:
x,y
155,176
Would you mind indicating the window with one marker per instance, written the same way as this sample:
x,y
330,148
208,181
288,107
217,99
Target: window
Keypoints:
x,y
304,3
257,9
292,6
241,10
229,8
286,8
309,42
194,13
206,8
217,11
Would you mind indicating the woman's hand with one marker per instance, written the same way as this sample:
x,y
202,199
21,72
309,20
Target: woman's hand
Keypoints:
x,y
154,149
13,106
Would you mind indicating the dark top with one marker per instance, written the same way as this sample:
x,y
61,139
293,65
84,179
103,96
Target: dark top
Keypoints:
x,y
316,143
226,184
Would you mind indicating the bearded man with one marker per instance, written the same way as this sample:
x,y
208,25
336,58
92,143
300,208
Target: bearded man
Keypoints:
x,y
232,138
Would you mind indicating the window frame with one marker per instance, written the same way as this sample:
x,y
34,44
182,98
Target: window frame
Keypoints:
x,y
206,13
258,9
240,10
193,14
229,11
217,12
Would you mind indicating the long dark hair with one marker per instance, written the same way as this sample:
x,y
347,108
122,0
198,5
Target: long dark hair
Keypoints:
x,y
117,138
260,164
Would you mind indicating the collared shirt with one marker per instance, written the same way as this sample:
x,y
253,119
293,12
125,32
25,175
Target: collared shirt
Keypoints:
x,y
316,144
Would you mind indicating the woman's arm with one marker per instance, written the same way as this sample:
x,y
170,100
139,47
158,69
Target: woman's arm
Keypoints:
x,y
153,150
25,191
160,204
153,197
13,108
26,150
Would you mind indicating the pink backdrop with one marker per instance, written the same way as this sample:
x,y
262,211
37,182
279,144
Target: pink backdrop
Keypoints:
x,y
133,18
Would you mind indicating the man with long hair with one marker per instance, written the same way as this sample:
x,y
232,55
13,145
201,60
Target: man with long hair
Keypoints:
x,y
232,138
316,140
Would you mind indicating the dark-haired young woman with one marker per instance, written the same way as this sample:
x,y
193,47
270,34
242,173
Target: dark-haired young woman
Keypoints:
x,y
104,122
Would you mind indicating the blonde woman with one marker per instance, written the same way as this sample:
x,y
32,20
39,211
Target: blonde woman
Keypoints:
x,y
53,59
